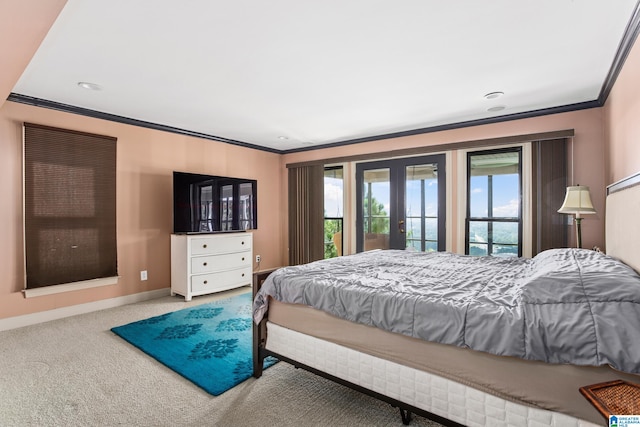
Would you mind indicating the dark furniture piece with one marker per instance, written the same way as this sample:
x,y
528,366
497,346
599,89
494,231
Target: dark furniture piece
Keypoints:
x,y
259,338
614,397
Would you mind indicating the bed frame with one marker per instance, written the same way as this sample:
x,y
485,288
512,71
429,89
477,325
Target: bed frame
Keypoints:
x,y
260,352
623,203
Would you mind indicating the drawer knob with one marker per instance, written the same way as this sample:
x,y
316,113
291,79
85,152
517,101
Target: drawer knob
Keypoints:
x,y
243,242
205,282
243,258
204,246
242,274
204,263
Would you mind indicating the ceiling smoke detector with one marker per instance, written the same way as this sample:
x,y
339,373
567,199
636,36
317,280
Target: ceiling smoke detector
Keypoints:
x,y
493,95
89,86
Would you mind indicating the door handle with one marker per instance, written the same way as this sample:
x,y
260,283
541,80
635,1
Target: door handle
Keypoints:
x,y
401,226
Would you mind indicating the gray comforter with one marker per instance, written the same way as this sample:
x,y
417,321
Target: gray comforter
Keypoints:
x,y
562,306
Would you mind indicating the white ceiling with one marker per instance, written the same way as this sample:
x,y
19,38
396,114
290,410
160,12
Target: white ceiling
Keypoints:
x,y
326,71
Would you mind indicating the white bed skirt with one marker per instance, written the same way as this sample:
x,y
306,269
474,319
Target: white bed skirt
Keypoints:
x,y
432,393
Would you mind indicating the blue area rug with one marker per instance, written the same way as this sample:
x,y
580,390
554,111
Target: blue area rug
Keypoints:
x,y
209,344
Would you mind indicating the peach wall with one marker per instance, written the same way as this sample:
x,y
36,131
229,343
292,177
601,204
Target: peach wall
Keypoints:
x,y
23,26
622,121
145,162
588,154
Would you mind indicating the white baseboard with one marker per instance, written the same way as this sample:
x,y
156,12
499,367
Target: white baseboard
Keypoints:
x,y
59,313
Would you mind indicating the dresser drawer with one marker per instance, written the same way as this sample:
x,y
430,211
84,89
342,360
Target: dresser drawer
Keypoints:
x,y
220,244
223,279
205,264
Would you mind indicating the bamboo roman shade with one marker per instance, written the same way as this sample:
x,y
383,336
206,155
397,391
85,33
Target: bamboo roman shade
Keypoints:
x,y
69,206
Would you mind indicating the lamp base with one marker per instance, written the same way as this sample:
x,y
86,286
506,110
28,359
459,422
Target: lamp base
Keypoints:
x,y
579,232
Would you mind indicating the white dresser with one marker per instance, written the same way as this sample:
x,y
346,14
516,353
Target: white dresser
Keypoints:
x,y
203,264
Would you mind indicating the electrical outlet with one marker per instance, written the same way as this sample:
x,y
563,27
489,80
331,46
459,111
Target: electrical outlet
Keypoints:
x,y
258,258
143,275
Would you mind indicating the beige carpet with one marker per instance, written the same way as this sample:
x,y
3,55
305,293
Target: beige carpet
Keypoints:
x,y
76,372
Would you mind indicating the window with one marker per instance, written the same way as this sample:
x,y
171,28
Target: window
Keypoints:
x,y
69,207
333,211
494,202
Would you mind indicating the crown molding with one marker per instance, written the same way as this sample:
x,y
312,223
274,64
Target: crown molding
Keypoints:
x,y
53,105
628,40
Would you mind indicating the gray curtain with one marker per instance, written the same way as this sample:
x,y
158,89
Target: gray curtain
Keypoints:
x,y
306,214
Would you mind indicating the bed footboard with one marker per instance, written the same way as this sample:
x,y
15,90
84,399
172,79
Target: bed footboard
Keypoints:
x,y
259,341
259,331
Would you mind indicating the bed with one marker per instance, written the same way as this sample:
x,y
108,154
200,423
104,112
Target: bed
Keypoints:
x,y
562,320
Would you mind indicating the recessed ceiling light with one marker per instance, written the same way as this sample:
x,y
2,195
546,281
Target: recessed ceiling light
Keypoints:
x,y
89,86
493,95
284,138
496,108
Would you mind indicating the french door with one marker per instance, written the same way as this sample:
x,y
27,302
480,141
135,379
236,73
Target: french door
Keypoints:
x,y
401,204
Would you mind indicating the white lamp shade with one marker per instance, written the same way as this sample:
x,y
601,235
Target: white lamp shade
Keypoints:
x,y
577,201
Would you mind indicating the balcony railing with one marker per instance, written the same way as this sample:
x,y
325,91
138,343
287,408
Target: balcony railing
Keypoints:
x,y
333,237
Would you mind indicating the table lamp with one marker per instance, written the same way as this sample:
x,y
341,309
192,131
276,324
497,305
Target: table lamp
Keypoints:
x,y
577,201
